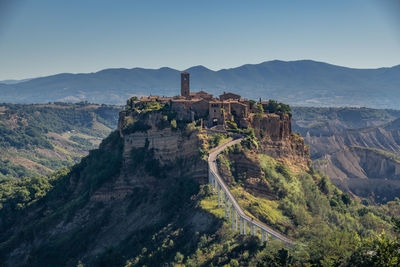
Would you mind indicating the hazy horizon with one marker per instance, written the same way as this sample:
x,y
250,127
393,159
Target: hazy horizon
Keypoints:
x,y
157,68
41,38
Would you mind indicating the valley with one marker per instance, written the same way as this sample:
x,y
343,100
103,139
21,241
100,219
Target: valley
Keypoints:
x,y
357,148
40,139
153,173
199,133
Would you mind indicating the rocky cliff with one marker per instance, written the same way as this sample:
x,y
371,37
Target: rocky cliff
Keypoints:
x,y
278,141
354,146
359,162
136,188
364,171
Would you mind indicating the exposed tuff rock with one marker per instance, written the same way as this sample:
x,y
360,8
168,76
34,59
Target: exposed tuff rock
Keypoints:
x,y
377,190
245,165
132,192
385,137
354,158
277,140
140,175
246,168
365,172
357,162
168,145
275,127
167,151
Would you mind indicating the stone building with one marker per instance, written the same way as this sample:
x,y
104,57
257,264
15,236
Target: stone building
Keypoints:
x,y
228,96
185,84
213,111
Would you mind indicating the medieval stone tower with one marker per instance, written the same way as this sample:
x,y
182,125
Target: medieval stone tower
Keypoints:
x,y
185,84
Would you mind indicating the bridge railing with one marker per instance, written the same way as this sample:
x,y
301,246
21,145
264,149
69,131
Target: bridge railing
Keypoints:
x,y
233,211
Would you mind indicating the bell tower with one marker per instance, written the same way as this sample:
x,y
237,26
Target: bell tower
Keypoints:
x,y
185,84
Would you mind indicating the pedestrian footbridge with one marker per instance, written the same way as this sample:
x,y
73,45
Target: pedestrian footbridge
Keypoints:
x,y
240,221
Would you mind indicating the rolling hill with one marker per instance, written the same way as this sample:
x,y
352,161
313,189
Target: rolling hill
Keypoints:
x,y
39,139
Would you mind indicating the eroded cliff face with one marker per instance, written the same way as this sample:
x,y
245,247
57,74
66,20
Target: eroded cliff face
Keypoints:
x,y
277,140
136,185
139,181
167,143
155,149
158,151
358,162
246,168
365,172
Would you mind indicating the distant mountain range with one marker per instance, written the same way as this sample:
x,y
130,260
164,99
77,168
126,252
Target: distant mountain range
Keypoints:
x,y
14,81
301,83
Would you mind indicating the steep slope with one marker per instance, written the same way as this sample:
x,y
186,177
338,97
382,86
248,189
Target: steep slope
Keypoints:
x,y
354,147
142,199
361,162
364,171
385,137
318,121
303,82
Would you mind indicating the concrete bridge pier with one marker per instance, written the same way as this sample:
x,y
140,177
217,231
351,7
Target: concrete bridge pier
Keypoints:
x,y
229,209
233,219
219,195
233,211
236,226
226,206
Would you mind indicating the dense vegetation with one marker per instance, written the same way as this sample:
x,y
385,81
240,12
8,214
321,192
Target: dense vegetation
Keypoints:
x,y
307,207
274,107
168,218
38,139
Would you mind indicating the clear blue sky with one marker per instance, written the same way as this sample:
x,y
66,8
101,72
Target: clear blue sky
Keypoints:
x,y
43,37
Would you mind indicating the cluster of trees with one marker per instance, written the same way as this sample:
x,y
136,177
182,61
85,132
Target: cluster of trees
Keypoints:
x,y
10,170
274,107
336,229
24,129
26,125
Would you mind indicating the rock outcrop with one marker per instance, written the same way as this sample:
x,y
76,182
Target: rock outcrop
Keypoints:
x,y
277,140
359,162
363,171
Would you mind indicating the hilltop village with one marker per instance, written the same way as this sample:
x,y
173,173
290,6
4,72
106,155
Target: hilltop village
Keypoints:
x,y
213,111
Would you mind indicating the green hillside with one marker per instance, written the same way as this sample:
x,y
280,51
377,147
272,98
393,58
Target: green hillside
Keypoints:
x,y
38,139
168,218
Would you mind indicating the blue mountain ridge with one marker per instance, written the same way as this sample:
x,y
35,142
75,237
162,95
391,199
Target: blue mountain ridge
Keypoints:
x,y
301,83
